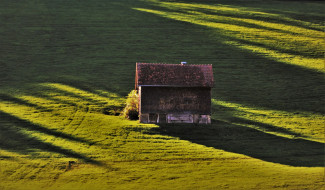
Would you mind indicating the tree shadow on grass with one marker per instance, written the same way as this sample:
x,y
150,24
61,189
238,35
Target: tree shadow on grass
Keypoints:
x,y
247,77
5,97
13,139
264,126
248,141
31,126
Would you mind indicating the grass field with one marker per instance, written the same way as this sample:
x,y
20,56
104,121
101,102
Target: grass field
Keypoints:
x,y
67,66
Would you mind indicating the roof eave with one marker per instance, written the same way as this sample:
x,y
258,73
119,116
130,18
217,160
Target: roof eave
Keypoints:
x,y
174,86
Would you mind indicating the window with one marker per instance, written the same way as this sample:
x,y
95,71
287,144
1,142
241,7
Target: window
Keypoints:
x,y
162,118
153,117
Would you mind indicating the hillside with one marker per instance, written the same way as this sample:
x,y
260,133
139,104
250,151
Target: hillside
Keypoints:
x,y
67,66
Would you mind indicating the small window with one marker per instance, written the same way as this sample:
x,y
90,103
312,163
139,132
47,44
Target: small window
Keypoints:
x,y
153,117
162,118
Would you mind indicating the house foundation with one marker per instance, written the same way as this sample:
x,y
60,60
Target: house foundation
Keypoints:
x,y
174,118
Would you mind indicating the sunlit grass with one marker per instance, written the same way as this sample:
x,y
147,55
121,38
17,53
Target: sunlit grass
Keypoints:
x,y
302,124
129,151
66,67
237,11
110,99
311,63
239,14
287,43
215,8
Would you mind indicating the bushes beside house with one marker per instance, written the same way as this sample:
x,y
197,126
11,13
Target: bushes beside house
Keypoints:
x,y
131,110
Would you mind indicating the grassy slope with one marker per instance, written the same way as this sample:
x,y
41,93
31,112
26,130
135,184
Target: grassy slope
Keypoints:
x,y
64,64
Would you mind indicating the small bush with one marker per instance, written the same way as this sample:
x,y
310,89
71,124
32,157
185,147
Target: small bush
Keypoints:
x,y
131,110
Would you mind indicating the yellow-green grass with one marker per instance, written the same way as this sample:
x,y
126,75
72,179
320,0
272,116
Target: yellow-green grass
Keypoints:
x,y
294,125
40,135
67,66
267,36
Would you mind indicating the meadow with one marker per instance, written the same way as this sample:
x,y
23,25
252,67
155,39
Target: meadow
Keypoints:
x,y
66,68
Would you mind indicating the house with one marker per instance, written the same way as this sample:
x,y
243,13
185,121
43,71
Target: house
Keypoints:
x,y
174,93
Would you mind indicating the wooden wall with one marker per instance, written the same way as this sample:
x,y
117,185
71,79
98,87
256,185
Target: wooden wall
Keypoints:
x,y
175,100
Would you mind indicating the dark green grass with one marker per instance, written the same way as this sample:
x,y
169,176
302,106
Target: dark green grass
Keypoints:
x,y
93,46
30,126
96,45
251,142
13,140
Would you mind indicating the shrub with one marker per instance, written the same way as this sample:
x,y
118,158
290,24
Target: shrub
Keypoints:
x,y
131,110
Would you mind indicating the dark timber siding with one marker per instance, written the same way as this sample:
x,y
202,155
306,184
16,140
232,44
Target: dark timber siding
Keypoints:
x,y
194,100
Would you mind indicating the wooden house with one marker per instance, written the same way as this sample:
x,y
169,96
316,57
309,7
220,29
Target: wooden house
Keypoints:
x,y
174,93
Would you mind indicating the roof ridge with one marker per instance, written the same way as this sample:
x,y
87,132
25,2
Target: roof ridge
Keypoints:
x,y
176,64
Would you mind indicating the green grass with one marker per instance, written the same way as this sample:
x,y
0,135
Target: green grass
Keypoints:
x,y
252,31
67,66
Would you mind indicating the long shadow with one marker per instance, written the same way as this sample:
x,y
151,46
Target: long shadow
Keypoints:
x,y
244,140
21,123
236,15
88,87
83,98
257,81
13,140
5,97
53,98
113,109
278,49
240,77
252,79
248,25
264,126
74,95
261,17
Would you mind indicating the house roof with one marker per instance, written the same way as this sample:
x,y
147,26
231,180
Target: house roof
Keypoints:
x,y
176,75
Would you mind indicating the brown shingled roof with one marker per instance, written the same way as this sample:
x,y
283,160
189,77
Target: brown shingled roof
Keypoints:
x,y
156,74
